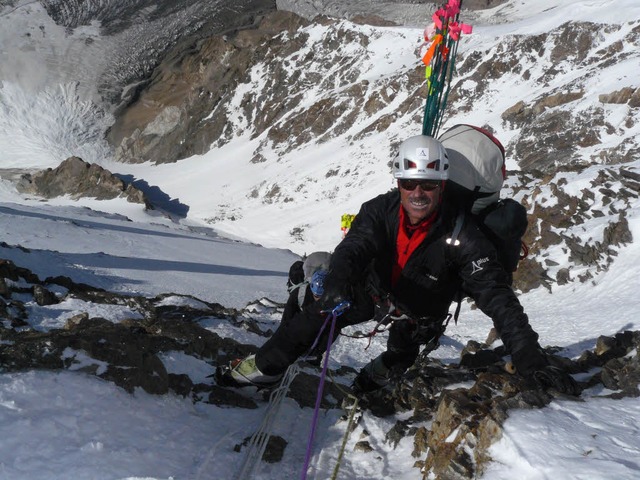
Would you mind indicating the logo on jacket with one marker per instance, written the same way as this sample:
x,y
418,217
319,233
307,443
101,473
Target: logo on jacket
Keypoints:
x,y
477,264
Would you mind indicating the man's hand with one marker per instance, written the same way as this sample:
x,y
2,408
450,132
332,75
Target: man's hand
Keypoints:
x,y
333,296
551,377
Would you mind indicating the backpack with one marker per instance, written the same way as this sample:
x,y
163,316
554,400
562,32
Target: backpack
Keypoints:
x,y
476,174
301,271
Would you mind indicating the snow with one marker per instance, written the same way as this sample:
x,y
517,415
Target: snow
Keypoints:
x,y
63,425
68,425
604,445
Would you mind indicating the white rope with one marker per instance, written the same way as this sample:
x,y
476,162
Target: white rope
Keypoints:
x,y
258,443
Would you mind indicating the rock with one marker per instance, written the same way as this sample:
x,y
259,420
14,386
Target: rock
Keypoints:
x,y
77,178
363,446
43,296
563,276
618,97
274,449
480,359
224,396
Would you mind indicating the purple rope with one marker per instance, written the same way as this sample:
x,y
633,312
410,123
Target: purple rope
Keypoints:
x,y
324,325
314,422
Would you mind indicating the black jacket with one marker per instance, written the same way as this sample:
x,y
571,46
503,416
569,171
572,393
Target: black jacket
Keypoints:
x,y
435,272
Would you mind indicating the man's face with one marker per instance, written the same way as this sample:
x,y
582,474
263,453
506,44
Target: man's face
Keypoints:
x,y
420,198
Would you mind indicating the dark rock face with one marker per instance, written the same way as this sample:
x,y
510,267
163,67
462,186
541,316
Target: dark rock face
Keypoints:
x,y
77,178
190,103
184,108
148,29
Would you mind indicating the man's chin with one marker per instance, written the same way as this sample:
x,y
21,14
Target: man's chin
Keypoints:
x,y
421,209
420,213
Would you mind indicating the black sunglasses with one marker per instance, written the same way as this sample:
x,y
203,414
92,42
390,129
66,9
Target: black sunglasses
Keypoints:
x,y
425,185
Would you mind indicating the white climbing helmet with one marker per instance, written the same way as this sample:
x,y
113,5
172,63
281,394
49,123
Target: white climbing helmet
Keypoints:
x,y
421,158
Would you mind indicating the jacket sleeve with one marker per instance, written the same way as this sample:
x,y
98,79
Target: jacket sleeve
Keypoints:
x,y
484,280
366,237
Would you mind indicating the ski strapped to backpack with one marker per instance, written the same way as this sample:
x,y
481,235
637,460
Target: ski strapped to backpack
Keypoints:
x,y
441,39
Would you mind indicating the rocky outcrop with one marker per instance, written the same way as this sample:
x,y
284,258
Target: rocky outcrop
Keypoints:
x,y
77,178
258,82
454,427
542,140
559,218
129,353
143,31
183,110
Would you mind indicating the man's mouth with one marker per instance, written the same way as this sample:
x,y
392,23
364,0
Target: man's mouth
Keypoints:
x,y
419,202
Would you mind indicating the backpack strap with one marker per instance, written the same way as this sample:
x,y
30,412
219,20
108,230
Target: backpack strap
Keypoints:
x,y
302,292
454,242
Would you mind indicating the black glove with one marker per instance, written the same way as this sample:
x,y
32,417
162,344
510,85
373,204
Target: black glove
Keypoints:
x,y
557,379
334,294
529,359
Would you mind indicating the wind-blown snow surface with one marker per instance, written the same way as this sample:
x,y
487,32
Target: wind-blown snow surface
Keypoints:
x,y
70,425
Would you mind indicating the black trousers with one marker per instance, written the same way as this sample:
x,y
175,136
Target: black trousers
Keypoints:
x,y
403,345
295,337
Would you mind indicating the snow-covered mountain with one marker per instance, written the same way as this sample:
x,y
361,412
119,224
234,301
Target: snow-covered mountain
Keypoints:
x,y
258,125
302,104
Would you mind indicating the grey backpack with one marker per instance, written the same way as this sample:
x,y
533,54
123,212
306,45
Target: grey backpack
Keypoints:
x,y
301,272
476,175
